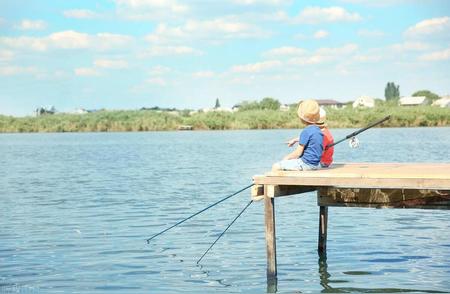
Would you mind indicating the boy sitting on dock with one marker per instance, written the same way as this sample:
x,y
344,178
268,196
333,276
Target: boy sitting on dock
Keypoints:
x,y
327,155
309,151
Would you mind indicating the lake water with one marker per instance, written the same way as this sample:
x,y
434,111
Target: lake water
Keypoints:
x,y
76,209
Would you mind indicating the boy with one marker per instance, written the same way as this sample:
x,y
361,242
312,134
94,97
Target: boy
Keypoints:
x,y
309,151
327,154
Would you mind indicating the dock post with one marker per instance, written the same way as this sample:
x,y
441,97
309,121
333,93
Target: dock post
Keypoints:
x,y
269,212
323,223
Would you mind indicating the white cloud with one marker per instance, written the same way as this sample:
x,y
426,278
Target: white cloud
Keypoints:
x,y
86,72
313,59
344,50
68,40
172,5
38,73
370,33
31,25
315,15
80,14
433,26
164,33
170,51
321,34
159,70
323,55
27,43
410,46
262,2
284,51
150,9
213,30
111,63
256,67
6,55
436,56
203,74
379,3
275,16
106,41
366,58
157,81
18,70
101,64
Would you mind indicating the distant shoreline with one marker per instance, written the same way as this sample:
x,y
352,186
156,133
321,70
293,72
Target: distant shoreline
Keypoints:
x,y
149,120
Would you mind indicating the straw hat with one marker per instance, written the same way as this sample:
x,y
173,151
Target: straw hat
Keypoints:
x,y
323,116
308,111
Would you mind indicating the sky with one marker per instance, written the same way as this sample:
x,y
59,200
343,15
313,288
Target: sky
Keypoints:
x,y
128,54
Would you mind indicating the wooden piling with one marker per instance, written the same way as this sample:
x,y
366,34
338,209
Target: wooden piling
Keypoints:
x,y
323,223
269,212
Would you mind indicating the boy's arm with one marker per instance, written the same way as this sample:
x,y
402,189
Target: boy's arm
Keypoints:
x,y
295,154
292,142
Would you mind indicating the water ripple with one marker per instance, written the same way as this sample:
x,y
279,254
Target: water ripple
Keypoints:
x,y
77,208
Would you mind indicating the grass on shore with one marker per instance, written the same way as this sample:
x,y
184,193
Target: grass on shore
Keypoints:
x,y
145,120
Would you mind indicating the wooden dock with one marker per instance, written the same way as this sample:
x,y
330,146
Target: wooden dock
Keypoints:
x,y
380,185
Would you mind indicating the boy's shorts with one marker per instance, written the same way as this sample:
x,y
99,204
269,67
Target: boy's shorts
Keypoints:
x,y
296,164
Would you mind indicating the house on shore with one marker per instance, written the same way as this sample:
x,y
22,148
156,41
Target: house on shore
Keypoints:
x,y
443,102
218,109
413,101
45,110
330,103
364,101
80,111
284,107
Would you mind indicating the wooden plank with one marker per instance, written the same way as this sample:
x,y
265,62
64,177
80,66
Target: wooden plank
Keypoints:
x,y
323,224
269,213
257,192
384,198
366,175
278,190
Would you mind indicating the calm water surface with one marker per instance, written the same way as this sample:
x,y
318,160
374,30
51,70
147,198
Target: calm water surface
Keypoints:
x,y
76,209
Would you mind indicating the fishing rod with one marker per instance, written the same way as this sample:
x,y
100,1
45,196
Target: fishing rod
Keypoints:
x,y
352,135
197,213
220,236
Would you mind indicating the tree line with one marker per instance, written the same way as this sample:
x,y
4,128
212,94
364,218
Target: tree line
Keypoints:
x,y
392,93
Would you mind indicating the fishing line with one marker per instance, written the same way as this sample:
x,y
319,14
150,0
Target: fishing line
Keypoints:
x,y
197,213
220,236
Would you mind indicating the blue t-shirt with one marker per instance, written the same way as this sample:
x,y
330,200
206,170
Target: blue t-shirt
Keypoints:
x,y
312,139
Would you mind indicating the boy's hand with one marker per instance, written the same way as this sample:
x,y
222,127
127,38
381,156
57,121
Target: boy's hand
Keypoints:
x,y
292,142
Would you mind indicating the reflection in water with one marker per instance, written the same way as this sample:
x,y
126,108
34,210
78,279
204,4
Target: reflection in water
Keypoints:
x,y
323,272
206,274
272,285
326,281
